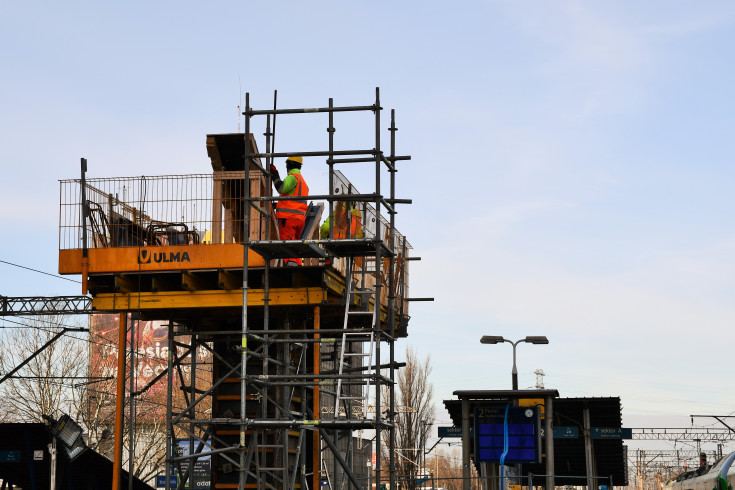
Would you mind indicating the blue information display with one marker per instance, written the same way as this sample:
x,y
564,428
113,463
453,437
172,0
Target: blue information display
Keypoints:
x,y
161,481
9,456
522,436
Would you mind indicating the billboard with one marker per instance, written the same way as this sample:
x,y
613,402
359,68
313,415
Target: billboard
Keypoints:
x,y
150,361
201,473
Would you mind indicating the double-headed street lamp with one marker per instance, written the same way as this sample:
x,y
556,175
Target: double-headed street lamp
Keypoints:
x,y
497,339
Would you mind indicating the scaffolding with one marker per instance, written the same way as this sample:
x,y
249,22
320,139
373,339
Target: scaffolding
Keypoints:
x,y
301,385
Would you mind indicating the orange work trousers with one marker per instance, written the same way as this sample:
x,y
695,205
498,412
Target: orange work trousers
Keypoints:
x,y
291,229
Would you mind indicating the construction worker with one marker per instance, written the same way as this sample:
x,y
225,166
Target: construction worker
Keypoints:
x,y
291,214
340,223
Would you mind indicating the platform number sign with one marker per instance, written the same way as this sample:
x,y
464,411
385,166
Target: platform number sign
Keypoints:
x,y
523,434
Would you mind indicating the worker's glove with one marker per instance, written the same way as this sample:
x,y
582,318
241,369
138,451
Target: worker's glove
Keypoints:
x,y
274,170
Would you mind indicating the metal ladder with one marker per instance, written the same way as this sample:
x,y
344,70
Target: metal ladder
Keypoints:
x,y
275,447
352,317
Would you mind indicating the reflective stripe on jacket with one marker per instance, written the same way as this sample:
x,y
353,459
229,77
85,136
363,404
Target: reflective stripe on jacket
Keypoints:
x,y
294,209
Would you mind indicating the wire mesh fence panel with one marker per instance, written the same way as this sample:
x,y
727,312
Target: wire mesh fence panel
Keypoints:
x,y
371,223
161,210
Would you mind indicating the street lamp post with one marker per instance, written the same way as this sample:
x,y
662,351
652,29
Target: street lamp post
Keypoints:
x,y
497,339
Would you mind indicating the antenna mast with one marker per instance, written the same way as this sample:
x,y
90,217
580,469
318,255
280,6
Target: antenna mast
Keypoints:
x,y
539,379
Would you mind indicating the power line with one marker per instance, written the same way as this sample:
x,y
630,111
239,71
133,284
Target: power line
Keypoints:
x,y
40,272
32,325
111,343
104,378
104,340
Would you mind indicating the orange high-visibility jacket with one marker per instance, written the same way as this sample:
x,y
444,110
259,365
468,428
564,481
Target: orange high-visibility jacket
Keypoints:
x,y
341,231
294,209
355,228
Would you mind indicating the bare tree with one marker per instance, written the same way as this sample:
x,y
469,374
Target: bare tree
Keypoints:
x,y
44,386
414,417
149,406
446,470
69,376
97,414
150,360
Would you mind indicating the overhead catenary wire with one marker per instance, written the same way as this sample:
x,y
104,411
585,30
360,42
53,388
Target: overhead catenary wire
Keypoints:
x,y
40,272
51,380
106,342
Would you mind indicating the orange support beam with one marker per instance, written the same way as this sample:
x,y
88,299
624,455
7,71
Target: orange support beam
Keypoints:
x,y
119,403
206,299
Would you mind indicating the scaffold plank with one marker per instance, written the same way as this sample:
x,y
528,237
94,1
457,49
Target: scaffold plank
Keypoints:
x,y
282,249
355,247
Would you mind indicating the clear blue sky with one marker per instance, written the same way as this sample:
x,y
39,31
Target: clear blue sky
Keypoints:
x,y
572,162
